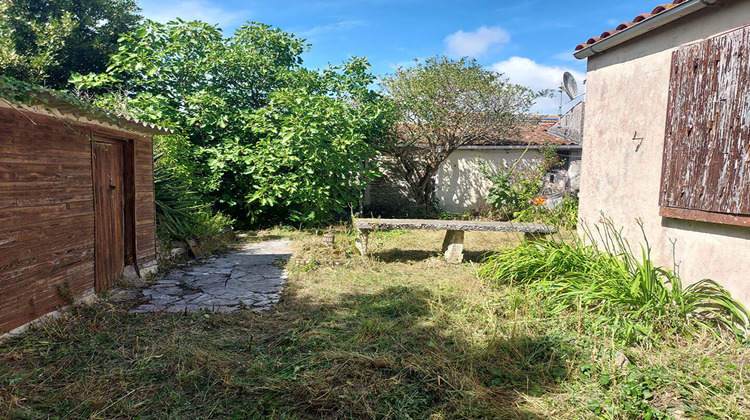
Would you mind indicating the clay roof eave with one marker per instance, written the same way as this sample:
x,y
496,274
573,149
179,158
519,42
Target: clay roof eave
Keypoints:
x,y
642,24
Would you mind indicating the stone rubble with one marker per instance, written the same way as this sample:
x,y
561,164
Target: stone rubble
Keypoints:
x,y
251,277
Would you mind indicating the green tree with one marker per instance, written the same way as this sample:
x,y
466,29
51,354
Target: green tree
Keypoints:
x,y
256,135
45,41
443,104
313,141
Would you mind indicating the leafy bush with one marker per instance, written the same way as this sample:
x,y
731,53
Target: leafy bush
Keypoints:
x,y
307,163
514,190
257,136
632,298
564,215
178,211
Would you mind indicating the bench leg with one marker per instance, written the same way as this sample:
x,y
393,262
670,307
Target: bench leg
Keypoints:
x,y
363,236
453,246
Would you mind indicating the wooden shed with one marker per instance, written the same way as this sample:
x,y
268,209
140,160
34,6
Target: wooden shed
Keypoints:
x,y
76,205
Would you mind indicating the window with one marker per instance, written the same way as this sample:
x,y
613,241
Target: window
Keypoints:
x,y
706,170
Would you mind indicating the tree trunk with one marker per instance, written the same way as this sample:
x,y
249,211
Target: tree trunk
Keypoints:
x,y
424,193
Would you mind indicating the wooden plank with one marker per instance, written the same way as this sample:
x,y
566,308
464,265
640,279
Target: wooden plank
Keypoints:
x,y
78,193
26,221
84,199
37,171
25,214
70,182
707,139
27,253
10,212
12,158
705,216
145,258
39,271
23,176
75,147
144,224
52,139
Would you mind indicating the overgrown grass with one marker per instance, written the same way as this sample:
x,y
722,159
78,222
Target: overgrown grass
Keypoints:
x,y
399,335
634,300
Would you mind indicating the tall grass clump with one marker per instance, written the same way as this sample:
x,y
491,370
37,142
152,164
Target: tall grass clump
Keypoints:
x,y
631,298
179,212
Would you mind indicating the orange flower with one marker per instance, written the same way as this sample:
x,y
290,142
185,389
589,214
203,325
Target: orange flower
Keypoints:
x,y
540,201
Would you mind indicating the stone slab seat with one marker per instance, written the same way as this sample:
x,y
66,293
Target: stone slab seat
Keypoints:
x,y
454,238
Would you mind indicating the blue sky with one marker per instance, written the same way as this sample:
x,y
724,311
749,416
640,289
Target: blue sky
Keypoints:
x,y
531,41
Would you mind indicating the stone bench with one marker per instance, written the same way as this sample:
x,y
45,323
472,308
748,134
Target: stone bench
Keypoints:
x,y
453,244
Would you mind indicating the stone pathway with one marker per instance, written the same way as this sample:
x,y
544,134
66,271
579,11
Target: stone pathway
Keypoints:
x,y
251,277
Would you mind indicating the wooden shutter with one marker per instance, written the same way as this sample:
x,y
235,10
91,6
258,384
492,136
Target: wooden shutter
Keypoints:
x,y
706,170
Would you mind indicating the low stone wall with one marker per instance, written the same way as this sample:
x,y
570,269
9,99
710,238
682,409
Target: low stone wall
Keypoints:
x,y
388,195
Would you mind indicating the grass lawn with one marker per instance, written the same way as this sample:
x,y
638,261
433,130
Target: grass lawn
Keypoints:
x,y
399,335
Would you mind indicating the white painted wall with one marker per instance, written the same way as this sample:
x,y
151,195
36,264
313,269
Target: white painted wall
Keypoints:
x,y
461,186
627,91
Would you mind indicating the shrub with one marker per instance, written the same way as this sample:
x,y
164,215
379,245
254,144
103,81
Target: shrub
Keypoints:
x,y
178,211
564,215
514,189
632,298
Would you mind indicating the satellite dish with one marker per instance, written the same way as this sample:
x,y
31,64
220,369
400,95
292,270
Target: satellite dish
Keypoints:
x,y
569,85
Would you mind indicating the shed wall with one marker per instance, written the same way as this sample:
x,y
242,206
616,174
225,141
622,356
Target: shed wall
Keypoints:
x,y
47,214
626,109
145,212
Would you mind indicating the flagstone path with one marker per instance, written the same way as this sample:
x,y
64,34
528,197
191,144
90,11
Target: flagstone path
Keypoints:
x,y
249,278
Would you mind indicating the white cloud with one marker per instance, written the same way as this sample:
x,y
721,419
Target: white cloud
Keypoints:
x,y
529,73
477,43
343,25
566,55
204,10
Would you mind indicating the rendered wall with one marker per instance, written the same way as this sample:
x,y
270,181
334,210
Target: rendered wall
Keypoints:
x,y
461,185
626,107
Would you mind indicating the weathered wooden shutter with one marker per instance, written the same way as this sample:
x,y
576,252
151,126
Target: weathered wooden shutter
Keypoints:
x,y
706,170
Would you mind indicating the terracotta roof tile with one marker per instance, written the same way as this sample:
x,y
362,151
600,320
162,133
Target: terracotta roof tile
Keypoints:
x,y
535,135
624,25
640,18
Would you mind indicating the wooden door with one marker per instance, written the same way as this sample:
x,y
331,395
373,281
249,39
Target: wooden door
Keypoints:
x,y
108,173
